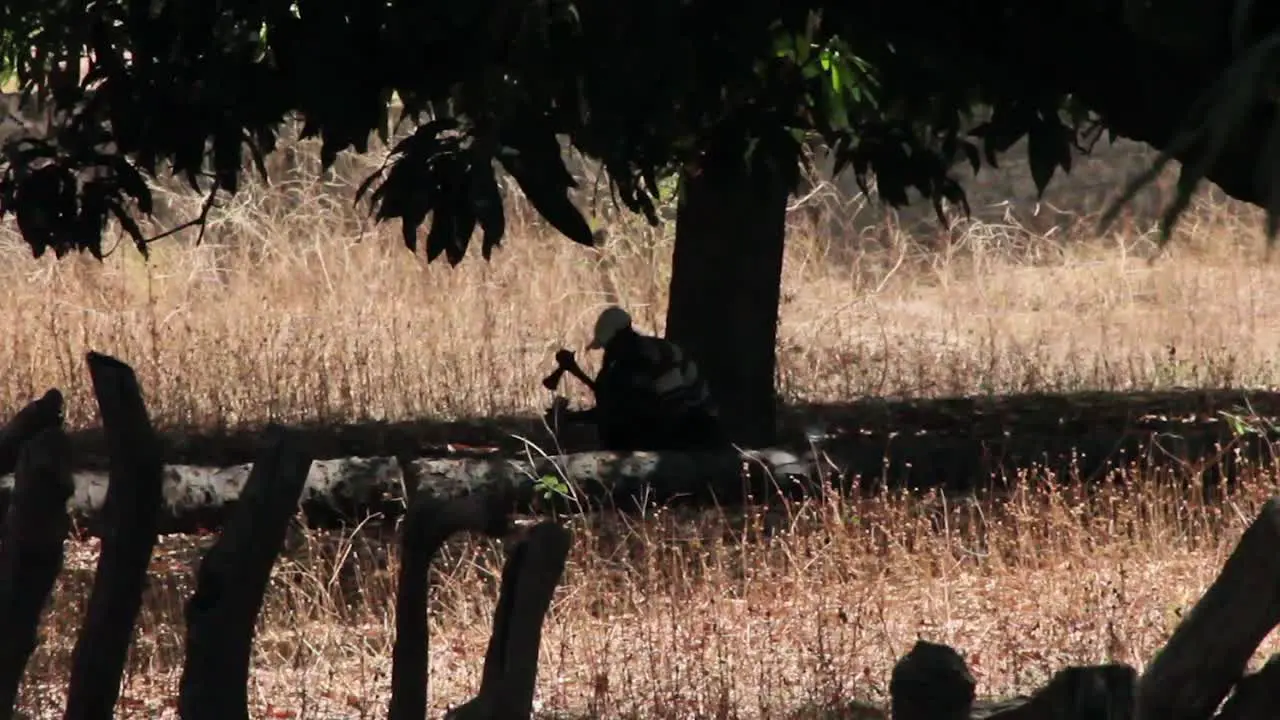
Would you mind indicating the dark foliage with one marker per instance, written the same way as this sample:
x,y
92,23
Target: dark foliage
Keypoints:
x,y
902,92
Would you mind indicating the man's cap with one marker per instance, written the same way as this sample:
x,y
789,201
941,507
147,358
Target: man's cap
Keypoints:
x,y
611,320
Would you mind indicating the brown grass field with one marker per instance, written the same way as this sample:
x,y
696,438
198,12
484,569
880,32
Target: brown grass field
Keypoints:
x,y
297,309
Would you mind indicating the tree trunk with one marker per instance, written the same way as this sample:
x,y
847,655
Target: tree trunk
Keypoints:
x,y
726,272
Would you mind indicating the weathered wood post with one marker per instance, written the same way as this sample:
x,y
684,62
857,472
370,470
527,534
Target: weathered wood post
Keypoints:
x,y
529,580
35,525
40,414
1084,692
931,682
130,512
1257,696
232,580
428,523
1210,650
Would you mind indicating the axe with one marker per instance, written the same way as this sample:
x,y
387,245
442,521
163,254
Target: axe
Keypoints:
x,y
567,363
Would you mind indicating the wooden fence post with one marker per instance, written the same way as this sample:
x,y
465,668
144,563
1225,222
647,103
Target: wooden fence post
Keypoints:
x,y
428,523
1210,650
130,512
1257,696
31,552
1078,693
232,580
931,682
40,414
529,580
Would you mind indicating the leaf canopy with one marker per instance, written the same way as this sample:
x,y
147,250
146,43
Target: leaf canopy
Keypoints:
x,y
902,92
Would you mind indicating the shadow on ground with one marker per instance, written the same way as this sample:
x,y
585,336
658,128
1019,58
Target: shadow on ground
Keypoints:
x,y
955,442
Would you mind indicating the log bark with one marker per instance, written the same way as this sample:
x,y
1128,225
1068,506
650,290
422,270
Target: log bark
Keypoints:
x,y
931,682
1257,696
529,579
231,582
129,511
345,490
31,552
1210,649
1097,692
955,444
429,522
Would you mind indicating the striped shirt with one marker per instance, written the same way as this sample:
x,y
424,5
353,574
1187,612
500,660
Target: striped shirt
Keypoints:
x,y
653,376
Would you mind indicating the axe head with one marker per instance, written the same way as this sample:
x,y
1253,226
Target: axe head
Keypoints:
x,y
552,381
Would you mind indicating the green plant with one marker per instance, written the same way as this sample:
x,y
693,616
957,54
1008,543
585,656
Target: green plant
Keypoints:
x,y
551,485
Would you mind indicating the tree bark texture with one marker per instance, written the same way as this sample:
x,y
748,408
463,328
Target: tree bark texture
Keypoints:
x,y
529,579
341,491
1078,693
725,284
1256,696
232,580
130,512
42,413
429,522
31,553
1210,649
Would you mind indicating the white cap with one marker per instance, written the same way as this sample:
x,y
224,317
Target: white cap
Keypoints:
x,y
611,320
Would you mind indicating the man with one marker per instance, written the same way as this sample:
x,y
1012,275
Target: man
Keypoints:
x,y
649,395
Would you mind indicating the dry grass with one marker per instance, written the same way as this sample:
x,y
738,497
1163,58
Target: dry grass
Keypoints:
x,y
297,309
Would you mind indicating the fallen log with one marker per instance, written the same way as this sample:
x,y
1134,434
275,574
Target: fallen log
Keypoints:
x,y
340,491
956,444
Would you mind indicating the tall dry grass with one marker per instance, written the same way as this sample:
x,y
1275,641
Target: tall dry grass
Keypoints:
x,y
296,308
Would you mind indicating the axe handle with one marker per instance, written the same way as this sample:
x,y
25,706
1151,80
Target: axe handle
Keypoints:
x,y
552,381
576,371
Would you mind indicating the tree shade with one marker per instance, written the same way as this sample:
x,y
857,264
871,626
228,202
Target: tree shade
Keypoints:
x,y
902,92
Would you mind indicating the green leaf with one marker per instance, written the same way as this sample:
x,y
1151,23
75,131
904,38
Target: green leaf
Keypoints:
x,y
550,485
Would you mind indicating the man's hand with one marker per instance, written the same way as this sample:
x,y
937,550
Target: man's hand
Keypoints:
x,y
566,358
